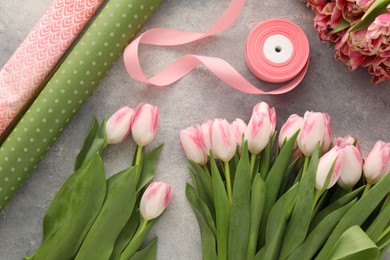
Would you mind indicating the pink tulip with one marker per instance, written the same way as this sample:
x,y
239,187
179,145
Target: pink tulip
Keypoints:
x,y
155,200
352,166
364,4
189,141
333,157
377,36
343,141
379,68
239,127
258,132
351,10
144,125
353,59
223,142
292,125
315,128
377,163
119,125
205,137
263,107
325,20
316,4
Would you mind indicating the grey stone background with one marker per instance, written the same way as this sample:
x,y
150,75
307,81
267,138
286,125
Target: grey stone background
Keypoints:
x,y
356,107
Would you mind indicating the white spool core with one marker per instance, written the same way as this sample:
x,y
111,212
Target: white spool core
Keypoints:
x,y
278,48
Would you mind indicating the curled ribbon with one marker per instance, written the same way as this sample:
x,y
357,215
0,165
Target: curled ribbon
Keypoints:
x,y
277,51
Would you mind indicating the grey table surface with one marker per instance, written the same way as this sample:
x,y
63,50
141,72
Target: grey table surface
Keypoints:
x,y
356,107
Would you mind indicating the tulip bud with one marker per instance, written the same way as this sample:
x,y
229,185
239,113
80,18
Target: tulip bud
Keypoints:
x,y
333,157
119,125
223,142
377,163
263,107
144,125
189,141
315,128
258,132
239,127
205,137
352,167
292,125
155,200
343,141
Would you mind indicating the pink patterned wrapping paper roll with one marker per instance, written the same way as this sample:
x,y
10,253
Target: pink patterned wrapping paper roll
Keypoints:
x,y
27,69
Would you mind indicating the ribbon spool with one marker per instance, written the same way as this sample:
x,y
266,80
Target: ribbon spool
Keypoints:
x,y
277,50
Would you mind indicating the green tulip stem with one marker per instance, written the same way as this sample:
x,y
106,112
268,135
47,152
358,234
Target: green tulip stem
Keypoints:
x,y
317,195
253,160
384,233
206,169
366,189
138,161
305,165
134,244
228,181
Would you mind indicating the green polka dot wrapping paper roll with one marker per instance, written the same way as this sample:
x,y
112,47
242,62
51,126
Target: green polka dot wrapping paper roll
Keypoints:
x,y
74,81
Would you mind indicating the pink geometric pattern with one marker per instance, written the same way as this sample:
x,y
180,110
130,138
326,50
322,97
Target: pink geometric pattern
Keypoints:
x,y
39,53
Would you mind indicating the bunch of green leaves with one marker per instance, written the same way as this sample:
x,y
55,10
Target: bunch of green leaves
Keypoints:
x,y
276,212
94,218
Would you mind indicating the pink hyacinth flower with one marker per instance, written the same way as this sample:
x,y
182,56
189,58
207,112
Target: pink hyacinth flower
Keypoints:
x,y
377,163
119,125
333,157
144,125
189,141
315,129
223,141
239,127
155,200
258,132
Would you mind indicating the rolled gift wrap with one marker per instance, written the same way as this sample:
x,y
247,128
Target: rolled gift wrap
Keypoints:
x,y
26,70
68,89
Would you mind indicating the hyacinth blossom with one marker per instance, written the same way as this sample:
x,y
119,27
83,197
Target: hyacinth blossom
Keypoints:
x,y
244,188
368,46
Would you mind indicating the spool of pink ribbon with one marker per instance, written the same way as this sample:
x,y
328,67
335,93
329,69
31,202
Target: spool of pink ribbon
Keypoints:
x,y
277,51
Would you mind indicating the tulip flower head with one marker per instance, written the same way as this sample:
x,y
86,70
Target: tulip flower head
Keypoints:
x,y
190,142
263,107
205,137
155,200
349,139
144,125
334,158
119,125
377,163
351,170
292,125
223,142
315,128
258,132
239,127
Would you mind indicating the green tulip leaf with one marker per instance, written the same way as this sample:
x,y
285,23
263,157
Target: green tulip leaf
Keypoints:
x,y
274,181
73,211
126,234
206,228
288,177
320,234
93,143
377,8
116,210
380,223
148,253
302,214
354,244
265,158
241,208
205,179
357,214
222,210
343,24
149,163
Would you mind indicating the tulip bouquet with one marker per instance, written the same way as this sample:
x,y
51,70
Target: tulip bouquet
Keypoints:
x,y
94,218
304,199
360,31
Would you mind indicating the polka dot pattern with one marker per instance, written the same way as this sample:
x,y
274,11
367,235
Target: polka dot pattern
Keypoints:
x,y
68,89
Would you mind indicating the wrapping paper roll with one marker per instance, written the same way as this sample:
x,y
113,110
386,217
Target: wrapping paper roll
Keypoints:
x,y
68,89
27,69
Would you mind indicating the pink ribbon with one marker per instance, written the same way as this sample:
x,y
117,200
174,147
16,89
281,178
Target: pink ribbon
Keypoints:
x,y
295,65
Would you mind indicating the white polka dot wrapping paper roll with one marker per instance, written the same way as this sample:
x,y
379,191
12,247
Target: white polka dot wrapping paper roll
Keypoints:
x,y
68,89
